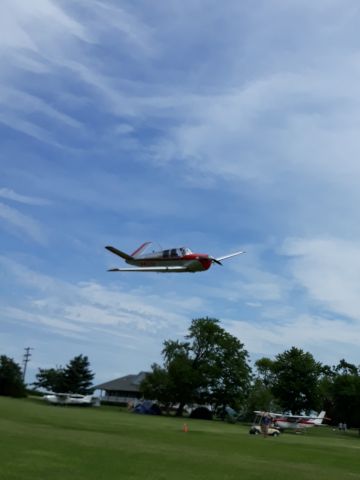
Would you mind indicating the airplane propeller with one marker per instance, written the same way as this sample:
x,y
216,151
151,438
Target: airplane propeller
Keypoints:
x,y
215,260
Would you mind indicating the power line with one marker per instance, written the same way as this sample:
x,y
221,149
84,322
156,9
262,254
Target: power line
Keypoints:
x,y
26,359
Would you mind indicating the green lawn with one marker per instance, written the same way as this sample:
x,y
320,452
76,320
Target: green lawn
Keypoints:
x,y
39,441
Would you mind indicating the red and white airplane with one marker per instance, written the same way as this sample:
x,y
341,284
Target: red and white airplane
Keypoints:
x,y
297,422
174,260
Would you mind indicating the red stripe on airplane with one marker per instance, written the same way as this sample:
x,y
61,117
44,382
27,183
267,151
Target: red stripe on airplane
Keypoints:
x,y
139,249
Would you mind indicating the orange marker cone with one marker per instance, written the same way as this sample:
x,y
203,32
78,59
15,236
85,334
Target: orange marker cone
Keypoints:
x,y
185,428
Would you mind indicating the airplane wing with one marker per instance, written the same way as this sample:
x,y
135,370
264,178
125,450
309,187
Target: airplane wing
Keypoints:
x,y
150,269
298,417
262,412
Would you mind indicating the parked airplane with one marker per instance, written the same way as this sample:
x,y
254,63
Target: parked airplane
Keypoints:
x,y
297,422
72,399
166,261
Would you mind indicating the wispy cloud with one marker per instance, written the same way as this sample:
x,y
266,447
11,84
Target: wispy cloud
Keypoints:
x,y
26,104
10,194
137,34
325,338
28,128
26,26
21,223
328,269
93,306
54,323
56,38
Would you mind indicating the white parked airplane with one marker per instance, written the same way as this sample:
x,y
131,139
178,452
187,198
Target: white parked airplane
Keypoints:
x,y
297,422
72,399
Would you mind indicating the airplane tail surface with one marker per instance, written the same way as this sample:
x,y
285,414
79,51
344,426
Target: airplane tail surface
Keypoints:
x,y
140,250
124,255
320,418
121,254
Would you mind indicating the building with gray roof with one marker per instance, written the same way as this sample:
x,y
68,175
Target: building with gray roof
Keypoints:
x,y
122,390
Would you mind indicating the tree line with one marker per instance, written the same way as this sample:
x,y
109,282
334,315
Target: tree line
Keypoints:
x,y
75,377
212,367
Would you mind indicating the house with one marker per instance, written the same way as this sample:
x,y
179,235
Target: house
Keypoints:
x,y
122,390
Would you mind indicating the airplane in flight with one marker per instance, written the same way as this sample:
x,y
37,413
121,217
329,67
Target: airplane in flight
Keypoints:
x,y
72,399
297,422
174,260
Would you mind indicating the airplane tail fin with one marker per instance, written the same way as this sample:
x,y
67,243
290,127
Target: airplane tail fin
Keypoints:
x,y
320,418
140,250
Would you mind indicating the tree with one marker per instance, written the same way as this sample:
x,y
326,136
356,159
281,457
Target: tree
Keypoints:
x,y
76,377
260,395
11,381
341,392
265,370
221,360
346,368
156,385
209,367
346,399
260,398
174,383
51,379
296,380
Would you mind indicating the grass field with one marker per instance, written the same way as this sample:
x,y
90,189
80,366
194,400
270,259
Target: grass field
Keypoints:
x,y
39,441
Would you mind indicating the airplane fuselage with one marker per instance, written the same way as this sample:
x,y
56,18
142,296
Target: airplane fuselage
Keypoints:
x,y
192,262
285,424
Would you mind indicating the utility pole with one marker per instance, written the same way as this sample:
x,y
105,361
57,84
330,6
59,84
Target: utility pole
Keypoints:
x,y
26,359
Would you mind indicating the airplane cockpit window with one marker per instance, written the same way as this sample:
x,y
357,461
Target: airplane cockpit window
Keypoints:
x,y
174,252
166,253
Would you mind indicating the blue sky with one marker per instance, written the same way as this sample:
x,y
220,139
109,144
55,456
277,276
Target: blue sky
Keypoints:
x,y
215,126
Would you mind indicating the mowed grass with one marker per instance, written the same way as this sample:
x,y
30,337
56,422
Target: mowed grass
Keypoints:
x,y
39,441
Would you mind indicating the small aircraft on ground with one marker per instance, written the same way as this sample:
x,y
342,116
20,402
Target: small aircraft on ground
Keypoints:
x,y
72,399
174,260
297,422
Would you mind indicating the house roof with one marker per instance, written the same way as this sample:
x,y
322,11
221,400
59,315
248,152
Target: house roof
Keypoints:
x,y
129,383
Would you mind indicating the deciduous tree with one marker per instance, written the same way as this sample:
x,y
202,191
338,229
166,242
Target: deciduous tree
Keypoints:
x,y
209,367
296,380
340,389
